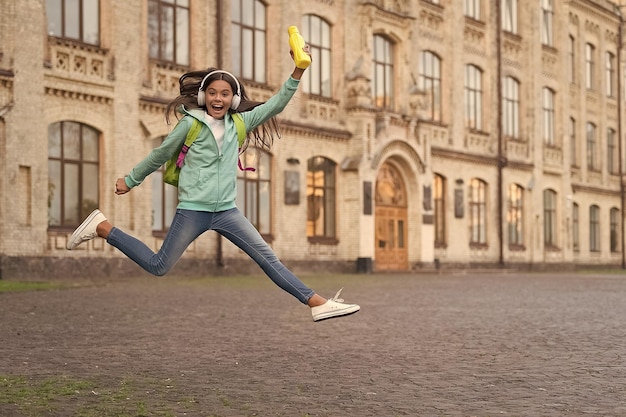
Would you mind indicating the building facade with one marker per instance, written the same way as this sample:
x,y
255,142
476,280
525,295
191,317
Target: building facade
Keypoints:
x,y
426,132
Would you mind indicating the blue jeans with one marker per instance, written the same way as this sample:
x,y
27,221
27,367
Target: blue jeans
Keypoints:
x,y
187,225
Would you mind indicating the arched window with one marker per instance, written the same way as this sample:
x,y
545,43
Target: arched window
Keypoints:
x,y
594,228
515,215
510,107
478,211
439,199
383,72
254,190
73,173
430,82
473,97
321,198
615,230
164,199
575,228
249,37
549,218
548,116
317,80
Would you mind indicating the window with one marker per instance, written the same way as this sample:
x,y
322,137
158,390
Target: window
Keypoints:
x,y
473,97
592,145
611,152
572,60
615,229
575,228
320,191
609,69
548,116
549,218
572,142
430,82
589,66
168,31
515,215
164,199
510,107
439,185
317,79
254,189
73,173
594,228
478,211
472,9
547,12
509,16
382,78
249,39
74,19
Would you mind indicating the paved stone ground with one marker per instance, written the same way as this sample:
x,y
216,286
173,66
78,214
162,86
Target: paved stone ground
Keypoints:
x,y
455,344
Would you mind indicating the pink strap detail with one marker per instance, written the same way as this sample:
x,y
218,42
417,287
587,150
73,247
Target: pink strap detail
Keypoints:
x,y
181,156
240,165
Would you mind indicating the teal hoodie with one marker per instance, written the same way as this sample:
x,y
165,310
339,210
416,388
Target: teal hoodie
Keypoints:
x,y
208,178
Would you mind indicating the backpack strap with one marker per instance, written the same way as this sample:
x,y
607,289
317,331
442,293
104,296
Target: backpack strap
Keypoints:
x,y
241,133
195,129
241,128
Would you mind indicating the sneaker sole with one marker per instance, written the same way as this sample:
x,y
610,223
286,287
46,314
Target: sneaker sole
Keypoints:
x,y
337,314
70,243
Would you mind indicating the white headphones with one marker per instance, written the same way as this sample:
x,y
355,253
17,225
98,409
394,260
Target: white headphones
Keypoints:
x,y
236,97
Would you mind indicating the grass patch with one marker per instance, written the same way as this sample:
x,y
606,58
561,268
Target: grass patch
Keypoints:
x,y
16,286
86,398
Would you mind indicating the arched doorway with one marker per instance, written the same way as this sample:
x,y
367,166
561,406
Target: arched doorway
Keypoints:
x,y
391,220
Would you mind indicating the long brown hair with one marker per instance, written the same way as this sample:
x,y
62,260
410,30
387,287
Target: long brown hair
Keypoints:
x,y
261,137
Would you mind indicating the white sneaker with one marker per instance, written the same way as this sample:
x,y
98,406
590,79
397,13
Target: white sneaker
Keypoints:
x,y
334,307
87,230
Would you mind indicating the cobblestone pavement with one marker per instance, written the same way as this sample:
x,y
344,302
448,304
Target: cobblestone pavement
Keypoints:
x,y
454,344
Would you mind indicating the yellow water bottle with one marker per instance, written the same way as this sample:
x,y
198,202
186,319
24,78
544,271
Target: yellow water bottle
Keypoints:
x,y
296,42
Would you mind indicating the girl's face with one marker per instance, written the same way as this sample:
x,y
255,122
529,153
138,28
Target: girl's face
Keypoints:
x,y
218,96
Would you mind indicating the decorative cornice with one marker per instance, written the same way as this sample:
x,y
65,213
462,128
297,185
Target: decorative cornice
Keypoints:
x,y
75,95
312,131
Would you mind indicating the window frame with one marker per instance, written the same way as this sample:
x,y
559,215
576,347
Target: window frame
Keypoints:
x,y
510,107
547,22
165,196
430,82
550,218
439,209
254,190
509,16
317,80
548,106
515,215
327,190
594,228
181,32
478,212
473,88
81,167
592,146
80,17
614,230
249,40
383,70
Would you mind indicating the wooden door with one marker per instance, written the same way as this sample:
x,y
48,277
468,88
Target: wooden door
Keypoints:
x,y
391,221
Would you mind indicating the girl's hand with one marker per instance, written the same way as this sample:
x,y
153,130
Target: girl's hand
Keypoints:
x,y
121,187
297,72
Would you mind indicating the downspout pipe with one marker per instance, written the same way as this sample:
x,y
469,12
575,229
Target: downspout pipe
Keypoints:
x,y
501,159
620,164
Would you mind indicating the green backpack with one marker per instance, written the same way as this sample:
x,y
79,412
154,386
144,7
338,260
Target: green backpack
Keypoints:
x,y
175,163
